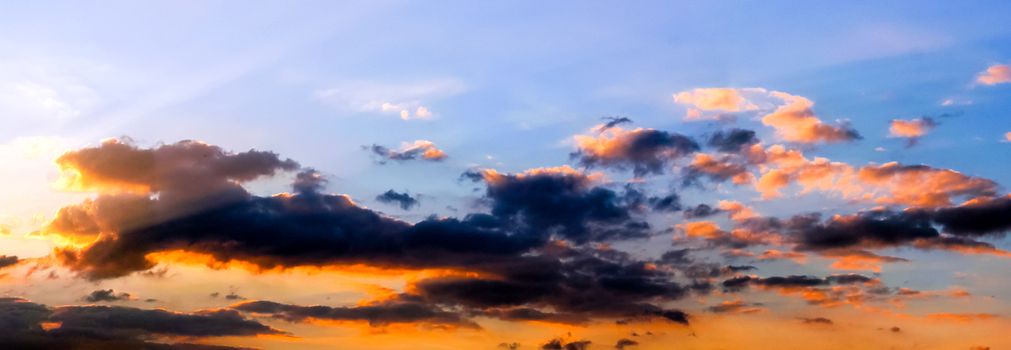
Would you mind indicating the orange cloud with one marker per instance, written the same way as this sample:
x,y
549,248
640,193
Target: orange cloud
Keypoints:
x,y
795,121
995,74
738,211
911,128
859,260
718,99
773,254
701,229
960,317
889,183
721,169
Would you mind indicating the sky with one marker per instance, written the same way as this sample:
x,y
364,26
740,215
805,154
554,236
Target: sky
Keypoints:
x,y
512,175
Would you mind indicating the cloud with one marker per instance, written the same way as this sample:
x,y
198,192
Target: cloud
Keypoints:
x,y
106,295
560,200
700,211
711,233
534,242
889,184
917,228
829,291
644,151
911,129
995,74
377,314
716,99
731,141
404,200
182,170
419,149
718,169
8,261
612,122
816,320
406,100
29,325
560,344
736,307
795,121
623,343
125,321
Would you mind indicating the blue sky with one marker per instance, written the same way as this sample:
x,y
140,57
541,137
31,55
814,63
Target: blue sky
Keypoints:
x,y
500,86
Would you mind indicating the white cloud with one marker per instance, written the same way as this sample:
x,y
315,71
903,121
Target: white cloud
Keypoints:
x,y
406,100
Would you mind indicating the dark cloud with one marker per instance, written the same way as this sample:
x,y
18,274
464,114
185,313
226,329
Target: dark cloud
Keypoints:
x,y
736,306
559,344
404,200
531,314
816,320
515,247
731,141
793,281
613,121
700,211
624,343
560,201
509,346
102,327
8,261
106,295
916,227
387,312
587,283
644,151
990,217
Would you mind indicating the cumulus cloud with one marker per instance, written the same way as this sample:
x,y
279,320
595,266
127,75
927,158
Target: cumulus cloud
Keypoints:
x,y
534,243
911,129
995,74
419,149
702,101
795,121
644,151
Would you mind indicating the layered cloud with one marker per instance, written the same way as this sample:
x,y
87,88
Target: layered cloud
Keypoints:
x,y
29,325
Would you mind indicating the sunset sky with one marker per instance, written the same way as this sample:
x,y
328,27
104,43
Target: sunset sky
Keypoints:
x,y
505,175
